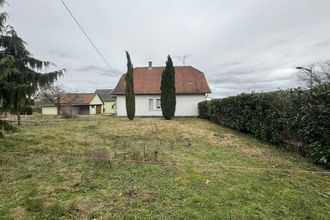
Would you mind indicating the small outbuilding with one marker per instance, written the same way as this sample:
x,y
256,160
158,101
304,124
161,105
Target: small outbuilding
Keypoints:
x,y
109,100
76,104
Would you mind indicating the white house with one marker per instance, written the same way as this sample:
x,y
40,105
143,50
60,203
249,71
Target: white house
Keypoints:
x,y
190,83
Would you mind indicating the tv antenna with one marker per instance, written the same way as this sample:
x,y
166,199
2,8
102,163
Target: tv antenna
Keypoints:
x,y
182,58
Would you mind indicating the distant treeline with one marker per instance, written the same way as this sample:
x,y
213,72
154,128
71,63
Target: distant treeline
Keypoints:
x,y
298,119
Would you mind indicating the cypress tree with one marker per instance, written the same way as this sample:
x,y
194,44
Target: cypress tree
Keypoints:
x,y
129,91
167,88
20,72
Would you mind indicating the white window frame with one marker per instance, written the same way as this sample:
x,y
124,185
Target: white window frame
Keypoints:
x,y
151,104
158,107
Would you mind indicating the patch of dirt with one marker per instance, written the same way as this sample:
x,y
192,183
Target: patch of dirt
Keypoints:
x,y
51,191
82,209
18,213
145,195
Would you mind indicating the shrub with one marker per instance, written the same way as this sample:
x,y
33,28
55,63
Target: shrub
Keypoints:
x,y
298,119
99,156
203,109
66,112
6,126
27,110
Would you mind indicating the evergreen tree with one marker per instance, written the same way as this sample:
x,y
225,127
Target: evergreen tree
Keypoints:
x,y
20,72
3,15
129,91
167,88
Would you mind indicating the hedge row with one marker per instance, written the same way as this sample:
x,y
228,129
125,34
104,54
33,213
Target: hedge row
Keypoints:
x,y
297,119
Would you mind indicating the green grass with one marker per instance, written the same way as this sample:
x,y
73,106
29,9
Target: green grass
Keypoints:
x,y
193,169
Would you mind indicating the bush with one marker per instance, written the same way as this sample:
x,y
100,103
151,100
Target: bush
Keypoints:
x,y
100,157
203,110
66,112
6,126
27,110
298,119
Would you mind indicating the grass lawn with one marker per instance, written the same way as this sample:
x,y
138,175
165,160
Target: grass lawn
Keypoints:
x,y
192,169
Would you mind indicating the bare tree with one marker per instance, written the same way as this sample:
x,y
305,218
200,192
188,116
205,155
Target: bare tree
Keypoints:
x,y
325,70
316,74
54,94
68,103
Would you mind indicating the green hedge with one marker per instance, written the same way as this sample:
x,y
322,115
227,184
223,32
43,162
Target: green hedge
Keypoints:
x,y
297,119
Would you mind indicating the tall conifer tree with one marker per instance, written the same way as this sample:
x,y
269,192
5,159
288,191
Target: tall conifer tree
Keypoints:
x,y
20,73
167,88
129,91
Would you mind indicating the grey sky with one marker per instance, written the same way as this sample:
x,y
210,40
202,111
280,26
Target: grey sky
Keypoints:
x,y
240,45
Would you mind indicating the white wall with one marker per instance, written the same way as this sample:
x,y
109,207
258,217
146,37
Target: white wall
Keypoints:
x,y
186,105
92,110
120,103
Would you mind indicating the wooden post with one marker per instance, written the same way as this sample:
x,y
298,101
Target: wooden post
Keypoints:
x,y
19,122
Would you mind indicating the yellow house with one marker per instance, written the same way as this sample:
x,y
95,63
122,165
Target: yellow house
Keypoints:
x,y
109,100
76,104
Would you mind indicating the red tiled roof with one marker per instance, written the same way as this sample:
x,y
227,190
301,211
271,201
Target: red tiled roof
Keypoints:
x,y
188,80
77,98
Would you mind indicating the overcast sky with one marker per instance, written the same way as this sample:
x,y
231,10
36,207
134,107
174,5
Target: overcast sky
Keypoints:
x,y
240,45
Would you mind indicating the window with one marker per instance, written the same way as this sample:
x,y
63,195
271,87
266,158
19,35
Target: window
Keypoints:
x,y
158,104
151,104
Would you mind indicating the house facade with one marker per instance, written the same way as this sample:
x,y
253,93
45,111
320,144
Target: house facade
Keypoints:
x,y
109,100
191,88
76,104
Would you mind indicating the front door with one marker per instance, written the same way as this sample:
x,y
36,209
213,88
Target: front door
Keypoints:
x,y
98,109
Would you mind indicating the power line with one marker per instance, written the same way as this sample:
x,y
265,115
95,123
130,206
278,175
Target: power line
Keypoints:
x,y
86,35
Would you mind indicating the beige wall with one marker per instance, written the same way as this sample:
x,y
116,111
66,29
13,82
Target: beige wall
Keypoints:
x,y
95,101
49,110
108,108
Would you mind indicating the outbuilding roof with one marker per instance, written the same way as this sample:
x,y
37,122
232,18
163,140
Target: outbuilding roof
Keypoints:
x,y
77,99
188,80
106,95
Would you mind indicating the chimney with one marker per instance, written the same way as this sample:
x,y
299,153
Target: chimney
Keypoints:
x,y
150,64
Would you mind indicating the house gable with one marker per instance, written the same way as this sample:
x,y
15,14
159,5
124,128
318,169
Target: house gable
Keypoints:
x,y
190,84
96,101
